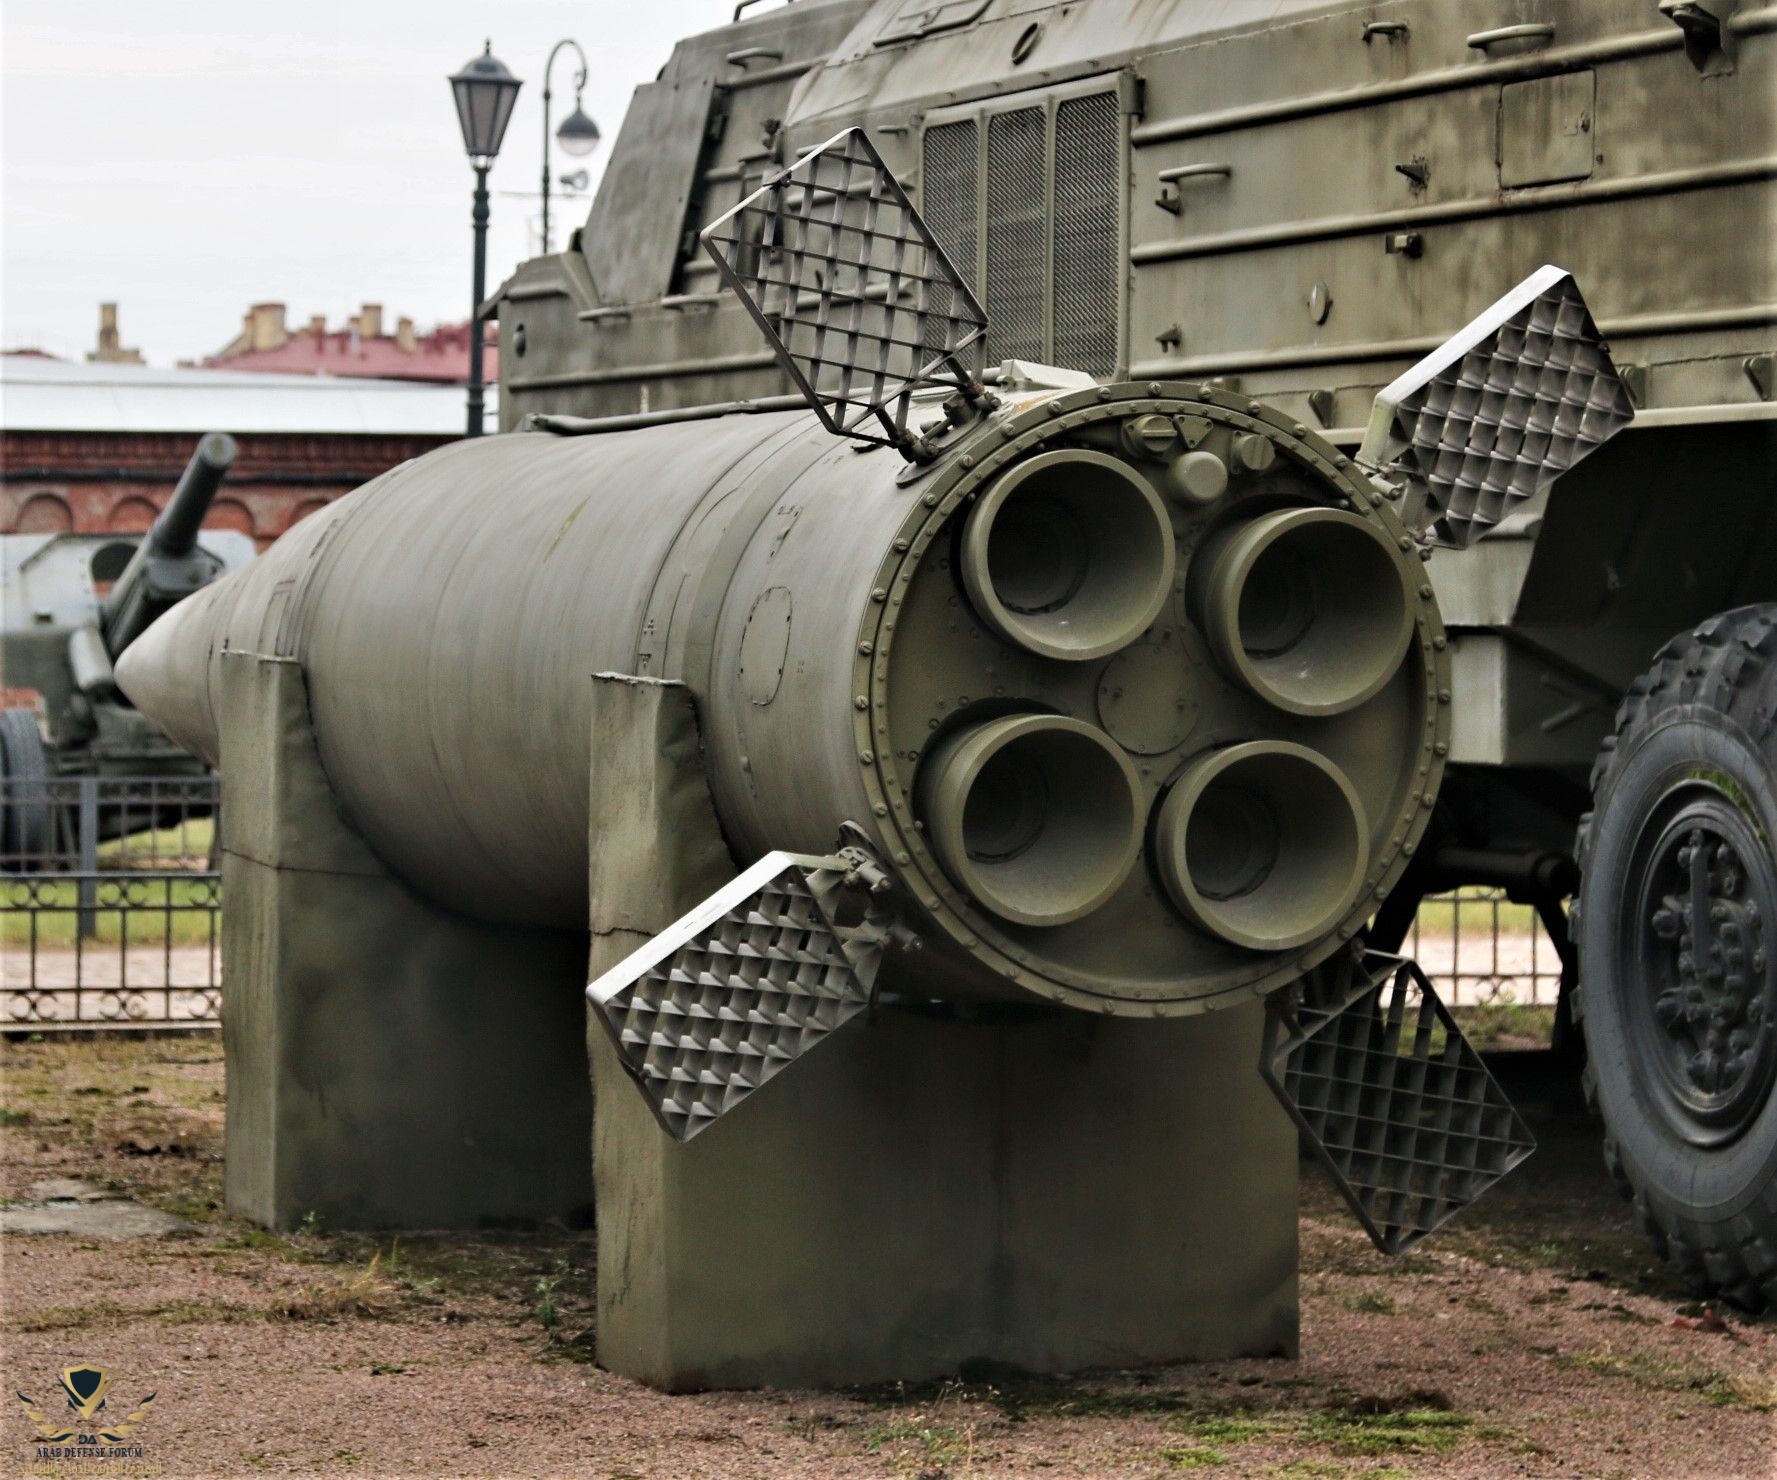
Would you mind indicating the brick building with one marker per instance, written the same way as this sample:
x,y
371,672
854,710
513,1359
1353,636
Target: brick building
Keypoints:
x,y
361,348
98,446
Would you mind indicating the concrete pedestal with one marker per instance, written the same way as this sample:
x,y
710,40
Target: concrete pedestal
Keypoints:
x,y
1064,1193
390,1064
1059,1192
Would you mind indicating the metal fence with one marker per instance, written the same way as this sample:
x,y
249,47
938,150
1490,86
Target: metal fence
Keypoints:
x,y
112,918
1481,950
110,903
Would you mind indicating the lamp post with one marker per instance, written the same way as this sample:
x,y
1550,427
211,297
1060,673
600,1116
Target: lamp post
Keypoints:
x,y
578,134
485,92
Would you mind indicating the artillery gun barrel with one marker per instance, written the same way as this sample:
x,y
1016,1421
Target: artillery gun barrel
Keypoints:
x,y
175,531
160,571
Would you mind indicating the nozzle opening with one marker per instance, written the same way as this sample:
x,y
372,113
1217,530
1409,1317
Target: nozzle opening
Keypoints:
x,y
1306,608
1036,816
1069,555
1263,844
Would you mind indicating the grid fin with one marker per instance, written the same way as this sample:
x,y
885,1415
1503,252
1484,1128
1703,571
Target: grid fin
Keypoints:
x,y
1394,1100
1499,411
723,999
859,301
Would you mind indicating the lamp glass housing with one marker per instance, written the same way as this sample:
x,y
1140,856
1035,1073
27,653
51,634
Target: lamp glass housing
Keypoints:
x,y
578,134
485,93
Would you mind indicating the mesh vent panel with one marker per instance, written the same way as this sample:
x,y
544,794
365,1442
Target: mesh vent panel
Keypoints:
x,y
1016,230
1088,174
949,177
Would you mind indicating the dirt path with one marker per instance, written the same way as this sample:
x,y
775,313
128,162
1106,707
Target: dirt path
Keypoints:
x,y
1533,1339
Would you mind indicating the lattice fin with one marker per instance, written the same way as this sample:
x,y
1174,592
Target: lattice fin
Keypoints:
x,y
1394,1100
859,301
723,999
1498,411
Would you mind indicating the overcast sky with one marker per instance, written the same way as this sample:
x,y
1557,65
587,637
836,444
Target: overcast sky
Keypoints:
x,y
186,158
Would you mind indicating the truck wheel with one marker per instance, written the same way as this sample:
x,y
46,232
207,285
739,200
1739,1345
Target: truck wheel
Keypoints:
x,y
1677,933
25,831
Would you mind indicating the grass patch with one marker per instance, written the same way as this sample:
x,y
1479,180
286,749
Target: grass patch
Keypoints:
x,y
191,841
1377,1427
1235,1427
1660,1374
1506,1024
182,1312
368,1294
922,1445
1369,1302
14,1117
1194,1457
1413,1423
1437,916
161,908
1020,1395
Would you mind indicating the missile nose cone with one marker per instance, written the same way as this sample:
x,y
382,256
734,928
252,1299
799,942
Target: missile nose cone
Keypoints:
x,y
165,673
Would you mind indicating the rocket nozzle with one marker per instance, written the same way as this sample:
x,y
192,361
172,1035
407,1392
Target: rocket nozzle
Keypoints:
x,y
1263,844
1306,608
1069,555
1037,816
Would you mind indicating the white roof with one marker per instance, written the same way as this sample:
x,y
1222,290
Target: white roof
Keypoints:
x,y
59,396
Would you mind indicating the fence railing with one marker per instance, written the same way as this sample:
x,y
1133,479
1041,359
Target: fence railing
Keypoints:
x,y
1480,950
112,917
104,824
110,903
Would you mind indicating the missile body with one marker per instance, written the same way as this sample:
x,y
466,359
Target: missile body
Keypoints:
x,y
1120,745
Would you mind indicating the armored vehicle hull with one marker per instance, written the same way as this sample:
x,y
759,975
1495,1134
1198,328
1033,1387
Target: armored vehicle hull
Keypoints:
x,y
1294,201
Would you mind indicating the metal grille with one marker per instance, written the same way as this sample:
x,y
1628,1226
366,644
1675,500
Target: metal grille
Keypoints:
x,y
724,998
1499,411
839,270
1015,230
1085,260
1393,1099
950,175
110,917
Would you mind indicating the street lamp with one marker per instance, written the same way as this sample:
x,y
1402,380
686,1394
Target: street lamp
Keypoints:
x,y
578,134
485,92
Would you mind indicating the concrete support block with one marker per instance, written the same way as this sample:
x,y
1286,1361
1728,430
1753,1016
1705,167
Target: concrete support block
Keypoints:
x,y
389,1064
1056,1194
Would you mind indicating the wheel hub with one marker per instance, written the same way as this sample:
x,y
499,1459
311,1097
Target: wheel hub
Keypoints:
x,y
1707,896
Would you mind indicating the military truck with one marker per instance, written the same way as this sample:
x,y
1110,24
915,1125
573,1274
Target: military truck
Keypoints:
x,y
73,602
1294,200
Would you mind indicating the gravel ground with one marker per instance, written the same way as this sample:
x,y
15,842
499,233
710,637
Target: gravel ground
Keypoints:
x,y
1532,1338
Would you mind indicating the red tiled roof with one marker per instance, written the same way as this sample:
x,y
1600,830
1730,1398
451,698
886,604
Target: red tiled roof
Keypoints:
x,y
440,355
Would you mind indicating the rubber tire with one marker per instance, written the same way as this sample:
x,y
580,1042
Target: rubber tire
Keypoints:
x,y
1711,699
25,831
